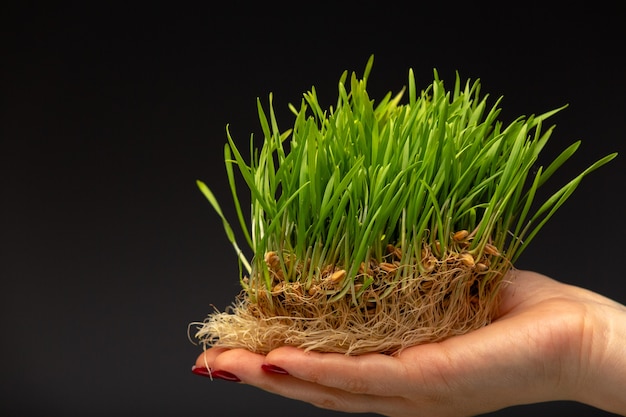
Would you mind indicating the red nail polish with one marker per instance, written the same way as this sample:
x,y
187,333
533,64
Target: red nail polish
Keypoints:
x,y
199,370
227,376
274,369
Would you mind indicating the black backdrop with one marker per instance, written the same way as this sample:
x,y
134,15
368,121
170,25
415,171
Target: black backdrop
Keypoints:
x,y
111,111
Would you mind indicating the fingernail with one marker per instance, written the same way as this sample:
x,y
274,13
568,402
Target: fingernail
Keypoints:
x,y
274,369
202,371
199,370
227,376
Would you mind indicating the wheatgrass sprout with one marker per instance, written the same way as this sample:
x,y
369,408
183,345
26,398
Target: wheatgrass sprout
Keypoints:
x,y
375,226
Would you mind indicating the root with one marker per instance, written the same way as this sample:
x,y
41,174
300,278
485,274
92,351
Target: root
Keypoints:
x,y
420,307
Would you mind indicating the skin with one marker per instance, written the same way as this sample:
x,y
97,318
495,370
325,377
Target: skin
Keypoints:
x,y
551,341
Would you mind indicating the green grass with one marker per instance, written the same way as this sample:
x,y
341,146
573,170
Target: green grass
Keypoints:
x,y
408,170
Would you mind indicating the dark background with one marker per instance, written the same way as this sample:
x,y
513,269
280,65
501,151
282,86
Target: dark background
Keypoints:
x,y
111,111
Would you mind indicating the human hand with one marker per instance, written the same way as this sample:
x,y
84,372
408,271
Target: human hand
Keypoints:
x,y
550,341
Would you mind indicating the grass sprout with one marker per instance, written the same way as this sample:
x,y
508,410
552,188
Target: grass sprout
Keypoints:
x,y
376,225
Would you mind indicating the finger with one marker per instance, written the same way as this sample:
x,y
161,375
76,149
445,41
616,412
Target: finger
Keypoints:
x,y
247,367
240,363
371,374
206,358
522,288
327,397
236,365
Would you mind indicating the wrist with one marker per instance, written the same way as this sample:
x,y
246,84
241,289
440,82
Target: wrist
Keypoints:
x,y
603,377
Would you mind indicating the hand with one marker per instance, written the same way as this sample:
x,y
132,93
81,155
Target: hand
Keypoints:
x,y
550,341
